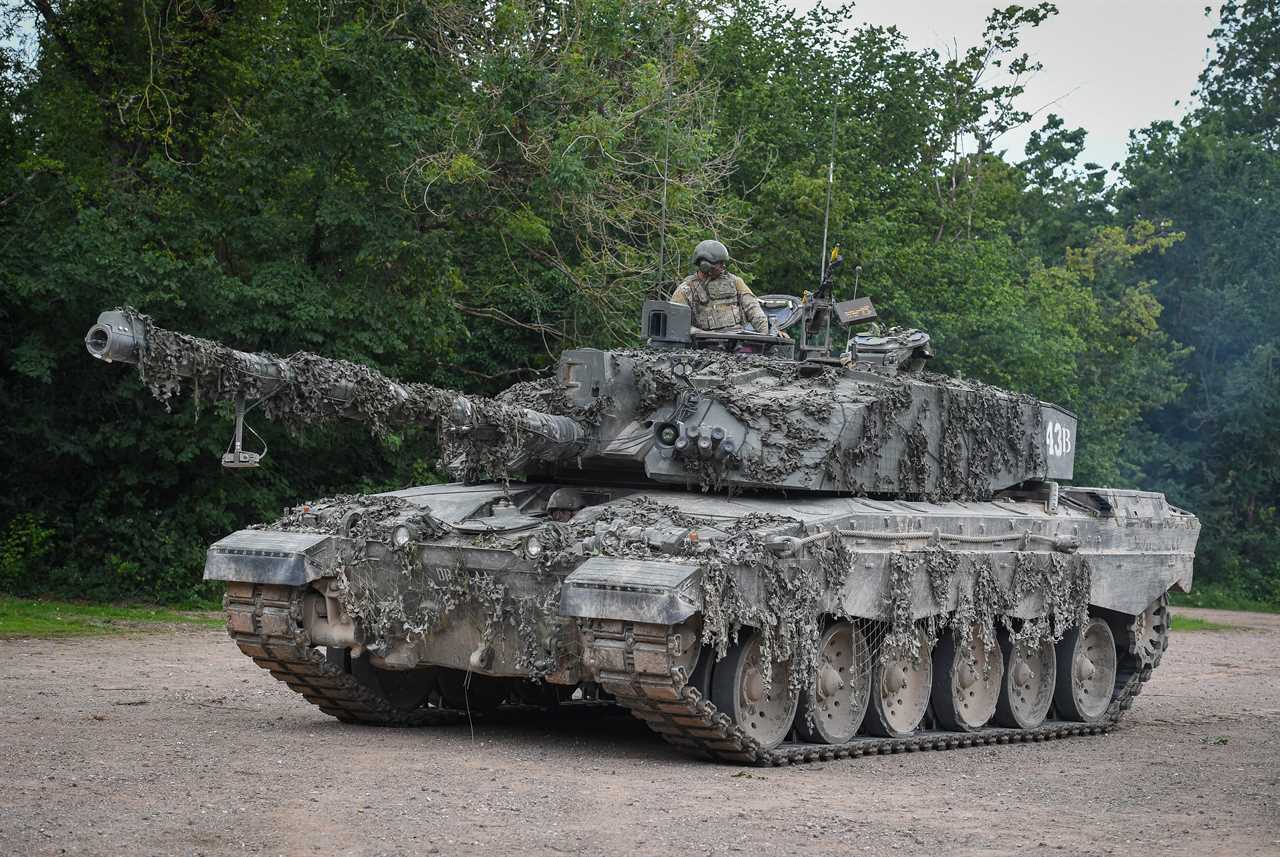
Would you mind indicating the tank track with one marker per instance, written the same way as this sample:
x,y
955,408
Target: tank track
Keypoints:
x,y
644,674
641,666
265,621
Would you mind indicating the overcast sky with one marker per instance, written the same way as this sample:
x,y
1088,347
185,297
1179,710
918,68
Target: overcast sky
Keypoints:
x,y
1109,65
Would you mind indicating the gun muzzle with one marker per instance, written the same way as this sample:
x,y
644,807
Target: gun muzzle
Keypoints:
x,y
116,338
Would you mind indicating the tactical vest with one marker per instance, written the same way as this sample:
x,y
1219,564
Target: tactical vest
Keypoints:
x,y
715,302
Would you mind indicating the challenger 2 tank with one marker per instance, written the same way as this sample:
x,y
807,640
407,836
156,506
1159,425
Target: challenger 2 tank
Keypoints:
x,y
771,547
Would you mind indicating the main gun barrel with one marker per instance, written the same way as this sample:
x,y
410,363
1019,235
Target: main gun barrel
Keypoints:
x,y
166,358
305,388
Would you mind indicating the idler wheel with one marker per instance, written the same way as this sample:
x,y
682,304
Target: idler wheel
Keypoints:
x,y
900,692
1029,677
968,678
738,690
471,691
1086,672
833,709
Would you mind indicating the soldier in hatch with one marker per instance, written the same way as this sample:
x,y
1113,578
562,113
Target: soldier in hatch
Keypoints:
x,y
719,300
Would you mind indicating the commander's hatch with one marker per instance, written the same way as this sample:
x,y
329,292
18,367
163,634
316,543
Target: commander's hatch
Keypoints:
x,y
897,349
817,316
783,310
820,312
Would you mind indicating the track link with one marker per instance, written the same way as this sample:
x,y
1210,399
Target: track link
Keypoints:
x,y
640,665
265,621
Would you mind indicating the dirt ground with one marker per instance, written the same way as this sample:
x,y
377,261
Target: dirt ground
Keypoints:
x,y
177,744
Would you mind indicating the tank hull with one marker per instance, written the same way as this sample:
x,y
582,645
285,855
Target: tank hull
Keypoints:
x,y
639,587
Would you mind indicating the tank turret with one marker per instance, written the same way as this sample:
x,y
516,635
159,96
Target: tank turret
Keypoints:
x,y
676,415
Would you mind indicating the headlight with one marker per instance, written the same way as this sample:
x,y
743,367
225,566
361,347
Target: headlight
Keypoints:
x,y
401,536
668,433
532,547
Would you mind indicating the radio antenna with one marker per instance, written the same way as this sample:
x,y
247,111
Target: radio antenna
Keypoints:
x,y
666,160
831,174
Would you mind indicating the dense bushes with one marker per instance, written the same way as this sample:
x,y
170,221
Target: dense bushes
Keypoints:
x,y
453,192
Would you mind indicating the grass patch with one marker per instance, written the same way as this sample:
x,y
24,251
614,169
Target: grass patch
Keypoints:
x,y
23,617
1221,598
1191,623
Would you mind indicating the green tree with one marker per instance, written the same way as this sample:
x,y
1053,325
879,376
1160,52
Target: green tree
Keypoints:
x,y
1216,176
449,192
455,191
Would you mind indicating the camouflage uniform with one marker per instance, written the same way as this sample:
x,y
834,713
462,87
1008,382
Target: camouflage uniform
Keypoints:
x,y
720,303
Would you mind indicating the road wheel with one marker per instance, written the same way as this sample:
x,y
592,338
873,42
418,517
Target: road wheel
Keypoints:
x,y
832,710
738,689
1086,672
967,678
900,689
1029,677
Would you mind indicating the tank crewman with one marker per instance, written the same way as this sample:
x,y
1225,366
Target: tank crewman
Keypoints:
x,y
564,503
719,300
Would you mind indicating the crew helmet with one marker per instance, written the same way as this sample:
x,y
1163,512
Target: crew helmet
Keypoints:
x,y
708,254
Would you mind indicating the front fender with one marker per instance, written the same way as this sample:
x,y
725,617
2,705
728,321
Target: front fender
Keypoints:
x,y
632,590
270,556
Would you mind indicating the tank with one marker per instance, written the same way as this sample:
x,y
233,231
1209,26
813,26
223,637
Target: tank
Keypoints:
x,y
771,547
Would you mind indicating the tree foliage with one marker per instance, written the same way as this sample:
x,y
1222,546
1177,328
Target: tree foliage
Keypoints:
x,y
454,191
1216,175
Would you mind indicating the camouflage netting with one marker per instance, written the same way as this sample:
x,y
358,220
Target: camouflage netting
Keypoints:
x,y
983,605
795,595
815,426
811,426
660,374
367,516
306,389
414,599
423,600
789,605
745,585
921,436
982,432
299,390
786,402
394,595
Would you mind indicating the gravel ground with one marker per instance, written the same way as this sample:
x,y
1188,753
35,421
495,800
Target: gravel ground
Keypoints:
x,y
176,744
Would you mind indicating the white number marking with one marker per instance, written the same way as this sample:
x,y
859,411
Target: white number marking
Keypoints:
x,y
1057,438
